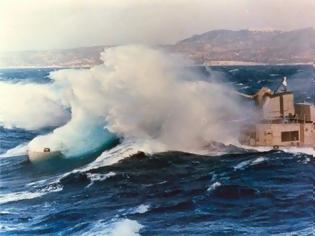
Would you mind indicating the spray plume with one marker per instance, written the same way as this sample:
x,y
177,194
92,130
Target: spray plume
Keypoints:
x,y
140,93
30,106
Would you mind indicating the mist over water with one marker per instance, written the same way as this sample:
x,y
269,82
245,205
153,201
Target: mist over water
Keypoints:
x,y
138,92
30,106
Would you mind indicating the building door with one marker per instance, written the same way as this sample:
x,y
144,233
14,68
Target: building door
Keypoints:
x,y
269,138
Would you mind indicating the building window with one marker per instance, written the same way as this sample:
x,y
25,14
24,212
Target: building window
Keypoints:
x,y
289,136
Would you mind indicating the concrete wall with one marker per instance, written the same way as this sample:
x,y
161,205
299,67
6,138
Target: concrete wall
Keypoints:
x,y
278,106
270,134
305,111
309,134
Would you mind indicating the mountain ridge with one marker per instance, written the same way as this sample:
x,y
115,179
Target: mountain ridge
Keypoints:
x,y
213,47
273,47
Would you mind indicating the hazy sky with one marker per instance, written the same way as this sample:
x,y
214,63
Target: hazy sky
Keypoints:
x,y
47,24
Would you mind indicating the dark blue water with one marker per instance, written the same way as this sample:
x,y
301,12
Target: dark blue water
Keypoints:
x,y
244,192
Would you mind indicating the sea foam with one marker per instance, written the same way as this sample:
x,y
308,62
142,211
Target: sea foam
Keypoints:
x,y
122,227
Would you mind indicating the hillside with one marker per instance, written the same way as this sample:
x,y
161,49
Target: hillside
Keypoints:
x,y
251,46
213,47
78,57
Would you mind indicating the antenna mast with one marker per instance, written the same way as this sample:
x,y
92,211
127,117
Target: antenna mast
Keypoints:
x,y
283,84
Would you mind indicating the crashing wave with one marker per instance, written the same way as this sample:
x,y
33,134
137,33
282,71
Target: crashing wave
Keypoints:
x,y
138,92
121,227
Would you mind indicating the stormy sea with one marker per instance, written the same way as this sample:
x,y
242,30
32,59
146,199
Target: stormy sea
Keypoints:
x,y
120,176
